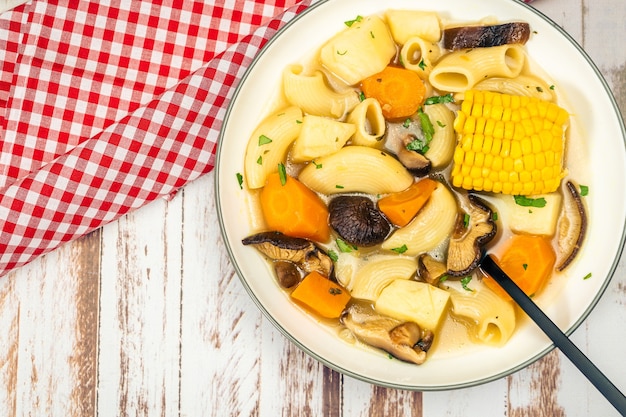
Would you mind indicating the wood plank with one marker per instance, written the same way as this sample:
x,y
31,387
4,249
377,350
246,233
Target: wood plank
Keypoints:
x,y
140,312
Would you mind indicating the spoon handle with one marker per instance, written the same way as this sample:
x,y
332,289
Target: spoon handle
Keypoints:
x,y
569,349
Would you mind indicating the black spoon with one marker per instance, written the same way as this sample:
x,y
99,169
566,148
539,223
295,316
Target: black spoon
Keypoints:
x,y
569,349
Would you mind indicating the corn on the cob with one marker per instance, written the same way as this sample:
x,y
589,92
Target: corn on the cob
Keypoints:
x,y
509,144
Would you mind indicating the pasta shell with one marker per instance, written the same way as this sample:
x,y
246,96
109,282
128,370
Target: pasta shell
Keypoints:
x,y
356,169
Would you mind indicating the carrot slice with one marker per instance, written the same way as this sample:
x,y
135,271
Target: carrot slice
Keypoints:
x,y
528,260
399,91
401,207
294,209
321,295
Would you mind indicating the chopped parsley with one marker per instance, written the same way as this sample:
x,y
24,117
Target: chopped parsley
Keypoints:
x,y
335,291
406,123
361,96
339,186
523,201
443,278
342,52
494,216
345,247
317,166
264,140
422,145
552,87
333,255
466,220
401,249
260,160
440,124
422,65
282,174
465,283
240,180
525,266
587,276
584,190
349,23
448,98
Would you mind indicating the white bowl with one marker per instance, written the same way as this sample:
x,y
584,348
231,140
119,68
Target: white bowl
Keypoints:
x,y
568,300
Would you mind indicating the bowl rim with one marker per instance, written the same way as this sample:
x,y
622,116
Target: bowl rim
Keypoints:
x,y
330,364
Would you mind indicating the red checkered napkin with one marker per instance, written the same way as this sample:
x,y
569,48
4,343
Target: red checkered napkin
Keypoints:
x,y
107,105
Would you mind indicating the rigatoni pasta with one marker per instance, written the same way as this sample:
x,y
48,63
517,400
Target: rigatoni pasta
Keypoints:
x,y
462,70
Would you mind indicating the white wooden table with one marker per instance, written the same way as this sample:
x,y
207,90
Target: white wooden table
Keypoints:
x,y
145,317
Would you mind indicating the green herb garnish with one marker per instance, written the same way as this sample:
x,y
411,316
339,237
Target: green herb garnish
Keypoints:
x,y
282,174
345,247
523,201
448,98
264,140
401,249
240,180
349,23
584,190
465,282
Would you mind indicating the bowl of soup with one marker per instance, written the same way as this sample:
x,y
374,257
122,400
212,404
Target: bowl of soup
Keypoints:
x,y
372,153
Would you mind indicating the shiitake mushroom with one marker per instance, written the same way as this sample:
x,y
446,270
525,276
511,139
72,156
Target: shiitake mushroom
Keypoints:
x,y
357,220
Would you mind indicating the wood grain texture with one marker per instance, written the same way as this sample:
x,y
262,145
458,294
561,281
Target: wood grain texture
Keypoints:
x,y
146,317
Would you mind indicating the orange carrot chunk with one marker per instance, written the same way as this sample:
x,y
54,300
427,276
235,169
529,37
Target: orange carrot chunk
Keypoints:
x,y
401,207
294,209
399,91
321,295
528,260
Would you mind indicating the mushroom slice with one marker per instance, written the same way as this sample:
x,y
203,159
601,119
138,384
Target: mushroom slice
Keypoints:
x,y
302,252
572,227
430,269
416,163
403,340
357,220
465,37
287,273
474,229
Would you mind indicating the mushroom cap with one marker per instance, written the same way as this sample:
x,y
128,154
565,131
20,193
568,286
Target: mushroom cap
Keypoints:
x,y
357,220
302,252
465,249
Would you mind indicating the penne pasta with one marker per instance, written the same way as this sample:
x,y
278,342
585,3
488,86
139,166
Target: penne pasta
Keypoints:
x,y
429,228
441,147
356,169
370,125
269,143
462,70
313,95
491,316
522,85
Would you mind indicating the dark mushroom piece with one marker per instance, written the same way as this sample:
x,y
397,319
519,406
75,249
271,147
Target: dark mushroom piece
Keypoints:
x,y
474,229
430,269
465,37
302,252
404,340
357,220
287,273
572,226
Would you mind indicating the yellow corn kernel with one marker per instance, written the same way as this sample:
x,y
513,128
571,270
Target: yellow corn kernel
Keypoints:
x,y
509,144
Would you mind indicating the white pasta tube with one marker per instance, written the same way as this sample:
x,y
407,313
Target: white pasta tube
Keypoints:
x,y
405,24
356,169
493,316
420,55
462,70
368,118
378,272
363,49
522,85
432,225
314,96
441,147
269,143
